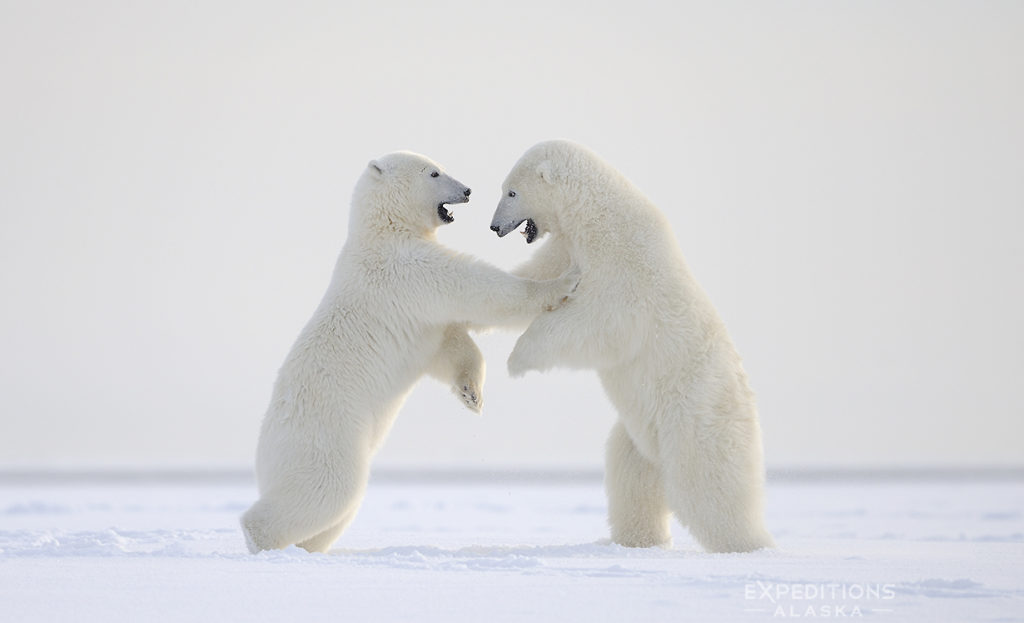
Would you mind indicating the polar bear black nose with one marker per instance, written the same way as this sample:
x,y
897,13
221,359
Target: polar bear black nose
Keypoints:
x,y
495,228
468,190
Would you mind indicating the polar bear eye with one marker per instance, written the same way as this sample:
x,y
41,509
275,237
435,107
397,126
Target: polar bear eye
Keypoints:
x,y
434,174
511,193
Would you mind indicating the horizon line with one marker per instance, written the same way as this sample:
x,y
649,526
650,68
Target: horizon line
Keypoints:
x,y
474,475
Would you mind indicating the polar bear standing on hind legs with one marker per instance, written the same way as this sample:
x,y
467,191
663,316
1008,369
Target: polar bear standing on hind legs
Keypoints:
x,y
687,440
397,307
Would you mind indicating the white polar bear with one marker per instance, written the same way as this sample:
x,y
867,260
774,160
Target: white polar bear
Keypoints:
x,y
397,307
687,440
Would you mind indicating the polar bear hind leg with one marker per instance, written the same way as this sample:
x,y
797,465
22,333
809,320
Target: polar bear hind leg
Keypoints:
x,y
637,512
714,485
323,541
310,516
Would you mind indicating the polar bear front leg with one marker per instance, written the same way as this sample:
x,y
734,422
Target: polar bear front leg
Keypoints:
x,y
459,362
637,512
550,340
530,353
566,337
489,297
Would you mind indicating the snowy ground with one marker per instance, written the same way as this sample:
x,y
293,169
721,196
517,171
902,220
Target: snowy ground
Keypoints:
x,y
509,551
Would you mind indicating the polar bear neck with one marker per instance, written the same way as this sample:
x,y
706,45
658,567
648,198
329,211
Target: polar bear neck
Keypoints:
x,y
385,211
603,221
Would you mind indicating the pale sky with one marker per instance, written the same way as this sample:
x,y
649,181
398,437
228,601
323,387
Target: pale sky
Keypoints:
x,y
846,180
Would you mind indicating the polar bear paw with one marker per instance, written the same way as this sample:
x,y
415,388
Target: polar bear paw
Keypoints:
x,y
567,283
470,396
519,362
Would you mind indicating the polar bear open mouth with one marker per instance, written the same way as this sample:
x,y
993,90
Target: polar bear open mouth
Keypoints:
x,y
444,214
442,209
530,231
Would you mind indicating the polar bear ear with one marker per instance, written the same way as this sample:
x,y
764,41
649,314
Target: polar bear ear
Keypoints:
x,y
375,168
545,172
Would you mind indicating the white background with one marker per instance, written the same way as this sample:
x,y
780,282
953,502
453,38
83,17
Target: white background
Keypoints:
x,y
846,180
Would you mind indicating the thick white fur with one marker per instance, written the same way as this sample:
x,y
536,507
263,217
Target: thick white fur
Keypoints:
x,y
397,307
687,440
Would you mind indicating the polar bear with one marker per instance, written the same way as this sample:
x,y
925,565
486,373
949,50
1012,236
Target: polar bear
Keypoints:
x,y
397,307
687,441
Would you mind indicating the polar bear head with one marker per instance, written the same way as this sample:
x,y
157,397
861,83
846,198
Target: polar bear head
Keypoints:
x,y
541,189
406,191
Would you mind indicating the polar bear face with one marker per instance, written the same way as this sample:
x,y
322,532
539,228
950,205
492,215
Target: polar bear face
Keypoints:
x,y
530,194
413,190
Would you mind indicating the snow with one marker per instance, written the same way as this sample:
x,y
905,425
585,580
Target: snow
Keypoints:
x,y
507,550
